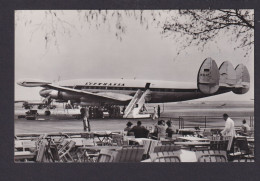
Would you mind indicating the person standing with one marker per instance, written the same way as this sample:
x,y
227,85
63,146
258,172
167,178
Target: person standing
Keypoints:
x,y
229,129
123,110
159,111
86,124
154,113
171,129
160,129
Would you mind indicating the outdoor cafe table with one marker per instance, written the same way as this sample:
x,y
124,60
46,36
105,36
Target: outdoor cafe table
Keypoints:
x,y
185,156
21,143
192,141
19,155
103,136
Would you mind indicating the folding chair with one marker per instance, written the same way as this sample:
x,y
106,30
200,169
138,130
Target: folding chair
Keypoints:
x,y
64,153
62,144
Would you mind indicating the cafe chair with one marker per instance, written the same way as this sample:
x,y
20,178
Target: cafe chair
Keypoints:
x,y
211,156
165,157
65,154
129,154
117,140
219,145
105,156
241,148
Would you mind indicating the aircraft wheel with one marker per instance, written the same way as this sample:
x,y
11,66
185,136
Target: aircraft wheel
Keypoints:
x,y
47,113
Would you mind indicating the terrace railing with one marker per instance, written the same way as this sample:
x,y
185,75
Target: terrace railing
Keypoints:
x,y
206,121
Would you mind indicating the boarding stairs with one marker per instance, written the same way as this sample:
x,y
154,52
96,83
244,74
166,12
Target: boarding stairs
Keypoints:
x,y
136,104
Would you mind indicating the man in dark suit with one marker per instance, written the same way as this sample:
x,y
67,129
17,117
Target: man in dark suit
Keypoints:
x,y
139,131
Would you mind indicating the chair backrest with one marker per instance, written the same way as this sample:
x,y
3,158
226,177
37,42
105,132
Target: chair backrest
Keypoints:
x,y
118,139
62,145
167,142
54,152
105,156
166,148
219,145
67,147
154,143
71,145
199,148
211,156
41,152
207,133
172,156
128,154
146,145
250,133
28,144
242,144
244,160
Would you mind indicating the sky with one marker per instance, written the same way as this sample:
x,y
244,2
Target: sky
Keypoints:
x,y
80,50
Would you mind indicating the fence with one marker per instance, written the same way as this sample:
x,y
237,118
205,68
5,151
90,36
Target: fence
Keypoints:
x,y
207,121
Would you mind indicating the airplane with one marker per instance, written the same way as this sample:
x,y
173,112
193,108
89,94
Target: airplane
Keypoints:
x,y
211,81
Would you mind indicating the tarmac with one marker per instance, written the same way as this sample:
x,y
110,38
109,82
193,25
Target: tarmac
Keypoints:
x,y
193,115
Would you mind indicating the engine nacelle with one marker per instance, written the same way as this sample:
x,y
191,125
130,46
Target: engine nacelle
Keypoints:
x,y
55,94
208,77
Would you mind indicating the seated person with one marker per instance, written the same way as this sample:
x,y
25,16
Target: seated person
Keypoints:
x,y
244,128
171,129
128,126
160,130
139,131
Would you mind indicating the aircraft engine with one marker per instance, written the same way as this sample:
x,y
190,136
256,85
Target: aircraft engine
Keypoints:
x,y
208,77
242,79
55,94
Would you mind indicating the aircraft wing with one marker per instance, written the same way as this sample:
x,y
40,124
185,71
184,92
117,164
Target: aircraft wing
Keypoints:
x,y
101,95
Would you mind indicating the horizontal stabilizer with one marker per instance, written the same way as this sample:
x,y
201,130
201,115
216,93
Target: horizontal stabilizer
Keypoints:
x,y
32,83
242,79
227,74
208,77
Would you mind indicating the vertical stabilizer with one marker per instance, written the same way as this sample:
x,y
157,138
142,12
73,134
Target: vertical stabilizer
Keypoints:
x,y
243,80
208,77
